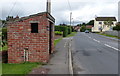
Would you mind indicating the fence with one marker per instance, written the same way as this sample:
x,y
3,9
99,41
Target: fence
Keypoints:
x,y
114,33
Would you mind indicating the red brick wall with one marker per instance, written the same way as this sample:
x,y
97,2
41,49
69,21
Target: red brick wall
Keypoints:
x,y
20,37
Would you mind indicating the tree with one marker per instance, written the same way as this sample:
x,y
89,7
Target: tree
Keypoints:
x,y
117,27
91,22
83,28
83,24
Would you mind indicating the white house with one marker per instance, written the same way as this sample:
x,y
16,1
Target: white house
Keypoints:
x,y
99,24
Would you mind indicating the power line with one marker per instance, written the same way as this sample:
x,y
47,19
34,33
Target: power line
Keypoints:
x,y
12,7
69,5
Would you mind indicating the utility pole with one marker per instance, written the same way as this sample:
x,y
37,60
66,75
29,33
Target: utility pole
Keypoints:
x,y
70,18
70,21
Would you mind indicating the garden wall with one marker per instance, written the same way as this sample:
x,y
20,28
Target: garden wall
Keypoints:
x,y
114,33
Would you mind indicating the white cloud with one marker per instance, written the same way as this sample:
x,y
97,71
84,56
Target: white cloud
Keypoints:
x,y
83,10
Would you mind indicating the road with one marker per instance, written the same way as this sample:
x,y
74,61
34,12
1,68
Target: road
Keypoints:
x,y
94,54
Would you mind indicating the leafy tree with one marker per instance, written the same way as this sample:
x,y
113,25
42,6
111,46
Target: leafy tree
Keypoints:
x,y
83,24
117,27
91,22
83,28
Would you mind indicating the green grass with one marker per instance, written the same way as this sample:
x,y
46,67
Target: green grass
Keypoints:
x,y
4,48
58,33
109,35
57,41
22,69
72,34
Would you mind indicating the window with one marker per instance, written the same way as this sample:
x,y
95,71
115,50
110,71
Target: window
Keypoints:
x,y
100,22
34,27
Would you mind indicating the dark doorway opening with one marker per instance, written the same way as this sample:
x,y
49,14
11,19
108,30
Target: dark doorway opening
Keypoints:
x,y
50,36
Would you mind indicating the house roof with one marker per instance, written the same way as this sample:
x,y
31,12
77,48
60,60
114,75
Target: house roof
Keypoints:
x,y
89,26
49,16
105,19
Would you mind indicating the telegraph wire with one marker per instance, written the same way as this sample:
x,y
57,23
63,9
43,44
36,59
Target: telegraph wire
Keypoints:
x,y
12,7
69,5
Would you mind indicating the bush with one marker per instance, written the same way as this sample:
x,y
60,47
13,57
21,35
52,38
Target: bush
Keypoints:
x,y
83,28
4,36
117,28
58,33
59,28
65,31
88,29
69,30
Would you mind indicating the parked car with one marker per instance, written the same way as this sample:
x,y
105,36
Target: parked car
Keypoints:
x,y
86,31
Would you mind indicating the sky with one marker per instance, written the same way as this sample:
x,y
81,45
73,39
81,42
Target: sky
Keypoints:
x,y
82,10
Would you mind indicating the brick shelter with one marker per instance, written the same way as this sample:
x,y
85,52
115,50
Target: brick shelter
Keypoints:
x,y
30,38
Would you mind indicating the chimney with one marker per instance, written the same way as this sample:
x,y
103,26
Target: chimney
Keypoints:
x,y
48,6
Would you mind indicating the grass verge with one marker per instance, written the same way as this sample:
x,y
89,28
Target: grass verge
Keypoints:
x,y
109,35
57,41
21,69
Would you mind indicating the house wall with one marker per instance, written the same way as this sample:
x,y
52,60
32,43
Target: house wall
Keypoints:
x,y
105,28
20,39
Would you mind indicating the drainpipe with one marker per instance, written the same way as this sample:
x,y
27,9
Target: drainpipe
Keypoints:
x,y
25,55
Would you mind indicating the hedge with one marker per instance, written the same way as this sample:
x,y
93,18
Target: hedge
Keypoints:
x,y
117,28
65,29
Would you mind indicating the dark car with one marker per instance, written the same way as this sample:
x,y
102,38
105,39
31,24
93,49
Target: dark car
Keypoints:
x,y
86,31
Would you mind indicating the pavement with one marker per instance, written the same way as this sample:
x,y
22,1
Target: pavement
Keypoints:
x,y
94,54
87,54
59,62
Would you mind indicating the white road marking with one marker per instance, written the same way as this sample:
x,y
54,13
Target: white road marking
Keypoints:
x,y
96,40
90,37
111,47
65,44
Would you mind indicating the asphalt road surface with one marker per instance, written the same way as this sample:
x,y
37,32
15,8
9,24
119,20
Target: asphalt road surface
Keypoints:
x,y
94,54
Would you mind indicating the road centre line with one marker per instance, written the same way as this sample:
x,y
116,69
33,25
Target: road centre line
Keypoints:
x,y
96,40
111,47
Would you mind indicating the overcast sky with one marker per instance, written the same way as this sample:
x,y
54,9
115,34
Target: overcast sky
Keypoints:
x,y
82,10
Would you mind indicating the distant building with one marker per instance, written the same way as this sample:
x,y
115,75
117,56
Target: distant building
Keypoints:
x,y
119,11
99,24
89,26
76,28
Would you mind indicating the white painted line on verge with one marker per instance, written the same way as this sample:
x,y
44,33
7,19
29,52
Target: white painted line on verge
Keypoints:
x,y
111,47
70,60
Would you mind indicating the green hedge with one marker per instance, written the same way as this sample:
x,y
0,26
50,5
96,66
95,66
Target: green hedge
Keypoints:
x,y
65,29
117,28
69,30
